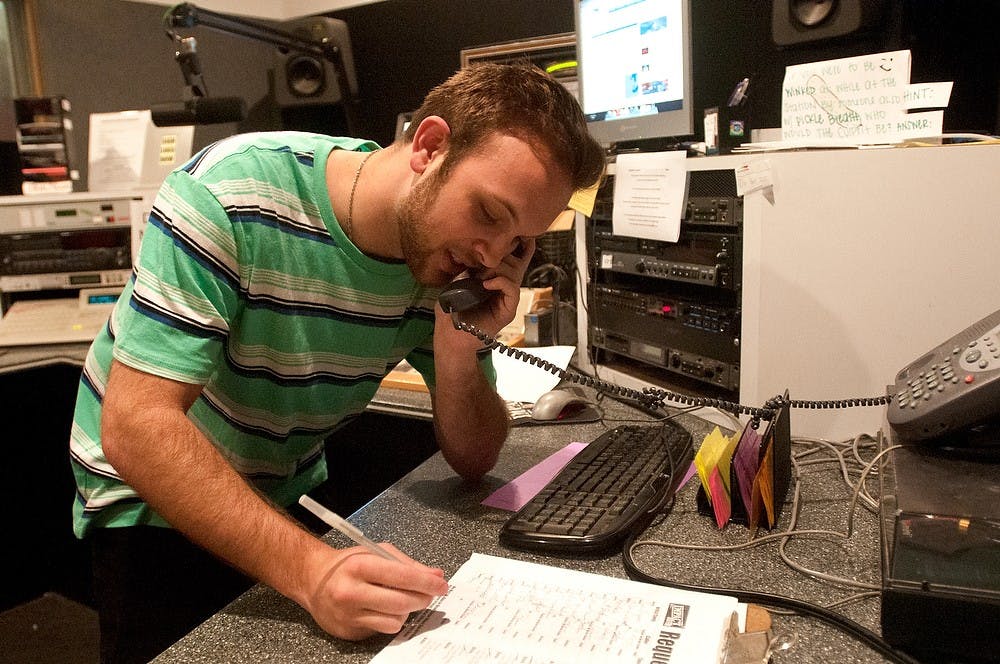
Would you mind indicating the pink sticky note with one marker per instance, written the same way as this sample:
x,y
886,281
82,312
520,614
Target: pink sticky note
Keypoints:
x,y
692,469
516,493
720,498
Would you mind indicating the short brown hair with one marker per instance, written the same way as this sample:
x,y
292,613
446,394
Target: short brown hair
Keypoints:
x,y
519,100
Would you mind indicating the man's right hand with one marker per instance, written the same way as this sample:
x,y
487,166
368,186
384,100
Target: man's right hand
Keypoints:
x,y
359,594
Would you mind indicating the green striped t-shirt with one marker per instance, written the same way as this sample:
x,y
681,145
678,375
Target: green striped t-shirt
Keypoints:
x,y
247,285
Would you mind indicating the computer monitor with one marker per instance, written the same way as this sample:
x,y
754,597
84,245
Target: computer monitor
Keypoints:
x,y
402,122
635,68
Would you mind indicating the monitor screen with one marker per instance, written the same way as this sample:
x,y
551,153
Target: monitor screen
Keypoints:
x,y
635,68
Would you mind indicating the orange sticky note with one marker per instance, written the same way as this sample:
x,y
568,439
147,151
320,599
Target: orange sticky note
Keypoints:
x,y
763,488
766,473
762,494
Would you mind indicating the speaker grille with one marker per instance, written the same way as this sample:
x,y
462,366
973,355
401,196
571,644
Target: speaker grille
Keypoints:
x,y
303,79
804,21
712,183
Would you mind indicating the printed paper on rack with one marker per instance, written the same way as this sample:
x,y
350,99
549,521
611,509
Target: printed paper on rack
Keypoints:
x,y
650,195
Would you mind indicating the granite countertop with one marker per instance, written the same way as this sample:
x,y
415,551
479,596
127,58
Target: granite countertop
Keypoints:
x,y
437,518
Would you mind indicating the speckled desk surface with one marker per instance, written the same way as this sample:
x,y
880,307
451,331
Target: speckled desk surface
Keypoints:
x,y
437,518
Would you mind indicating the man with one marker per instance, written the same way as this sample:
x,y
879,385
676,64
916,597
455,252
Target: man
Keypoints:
x,y
281,276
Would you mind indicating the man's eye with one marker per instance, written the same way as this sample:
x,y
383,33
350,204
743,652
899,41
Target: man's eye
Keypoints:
x,y
487,216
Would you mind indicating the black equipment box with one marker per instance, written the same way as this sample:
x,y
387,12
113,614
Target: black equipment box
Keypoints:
x,y
941,552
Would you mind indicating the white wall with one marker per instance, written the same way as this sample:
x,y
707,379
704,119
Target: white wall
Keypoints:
x,y
865,259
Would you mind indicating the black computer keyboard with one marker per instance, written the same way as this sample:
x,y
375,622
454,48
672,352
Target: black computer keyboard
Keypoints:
x,y
621,477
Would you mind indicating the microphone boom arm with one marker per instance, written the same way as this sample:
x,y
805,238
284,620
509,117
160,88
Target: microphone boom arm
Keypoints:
x,y
186,15
187,57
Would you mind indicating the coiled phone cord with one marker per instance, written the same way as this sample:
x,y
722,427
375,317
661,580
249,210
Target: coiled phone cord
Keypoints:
x,y
655,397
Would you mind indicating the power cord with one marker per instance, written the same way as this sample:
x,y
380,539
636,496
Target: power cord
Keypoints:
x,y
782,603
655,397
831,618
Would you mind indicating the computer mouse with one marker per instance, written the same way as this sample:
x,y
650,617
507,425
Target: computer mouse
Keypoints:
x,y
557,405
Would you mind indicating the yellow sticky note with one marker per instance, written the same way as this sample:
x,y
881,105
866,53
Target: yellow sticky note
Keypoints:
x,y
583,200
563,221
726,460
707,458
716,452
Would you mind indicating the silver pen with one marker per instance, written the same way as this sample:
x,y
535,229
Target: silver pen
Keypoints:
x,y
334,520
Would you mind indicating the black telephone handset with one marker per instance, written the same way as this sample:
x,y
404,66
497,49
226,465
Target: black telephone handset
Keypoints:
x,y
469,293
464,294
953,387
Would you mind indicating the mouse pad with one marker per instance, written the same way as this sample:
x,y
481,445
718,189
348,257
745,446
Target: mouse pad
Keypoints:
x,y
520,415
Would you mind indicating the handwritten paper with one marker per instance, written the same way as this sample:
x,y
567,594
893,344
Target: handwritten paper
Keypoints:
x,y
650,193
754,176
927,95
506,611
859,100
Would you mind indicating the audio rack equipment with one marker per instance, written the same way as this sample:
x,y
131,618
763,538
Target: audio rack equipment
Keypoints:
x,y
65,242
687,335
56,259
697,257
672,306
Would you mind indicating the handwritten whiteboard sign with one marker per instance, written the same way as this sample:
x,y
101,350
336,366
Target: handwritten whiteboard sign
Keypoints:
x,y
858,100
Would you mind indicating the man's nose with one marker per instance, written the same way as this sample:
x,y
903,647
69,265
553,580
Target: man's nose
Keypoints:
x,y
491,252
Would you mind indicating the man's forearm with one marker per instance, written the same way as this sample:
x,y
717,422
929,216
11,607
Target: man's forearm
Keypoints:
x,y
471,420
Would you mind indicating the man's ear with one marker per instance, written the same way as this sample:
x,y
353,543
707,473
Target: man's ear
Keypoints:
x,y
430,142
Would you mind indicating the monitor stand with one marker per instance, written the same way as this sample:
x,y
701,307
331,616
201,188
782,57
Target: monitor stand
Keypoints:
x,y
659,144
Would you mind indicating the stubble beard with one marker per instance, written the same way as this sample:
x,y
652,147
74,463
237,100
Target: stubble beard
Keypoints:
x,y
416,232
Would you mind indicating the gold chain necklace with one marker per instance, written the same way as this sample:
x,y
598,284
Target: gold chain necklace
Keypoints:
x,y
349,225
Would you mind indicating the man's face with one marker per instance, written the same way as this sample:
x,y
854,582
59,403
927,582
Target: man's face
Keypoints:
x,y
477,214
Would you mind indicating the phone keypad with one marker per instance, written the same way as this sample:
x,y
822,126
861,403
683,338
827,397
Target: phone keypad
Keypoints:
x,y
926,384
982,354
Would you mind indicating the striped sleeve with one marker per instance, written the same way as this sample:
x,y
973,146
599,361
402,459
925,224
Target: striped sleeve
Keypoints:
x,y
179,312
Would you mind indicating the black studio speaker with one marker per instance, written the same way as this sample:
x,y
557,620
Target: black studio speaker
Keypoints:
x,y
303,79
800,21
